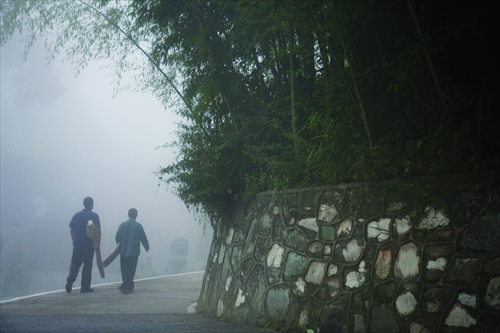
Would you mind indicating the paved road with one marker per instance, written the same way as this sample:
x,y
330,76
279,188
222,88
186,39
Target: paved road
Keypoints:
x,y
157,305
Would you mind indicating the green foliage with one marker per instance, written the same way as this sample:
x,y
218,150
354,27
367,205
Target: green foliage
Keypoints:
x,y
232,61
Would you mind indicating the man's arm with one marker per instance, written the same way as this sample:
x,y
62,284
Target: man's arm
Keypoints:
x,y
97,238
72,233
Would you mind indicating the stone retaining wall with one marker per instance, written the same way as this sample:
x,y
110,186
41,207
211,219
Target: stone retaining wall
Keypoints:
x,y
417,255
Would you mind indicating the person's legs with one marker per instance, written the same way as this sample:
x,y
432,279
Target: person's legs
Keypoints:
x,y
76,262
88,256
128,266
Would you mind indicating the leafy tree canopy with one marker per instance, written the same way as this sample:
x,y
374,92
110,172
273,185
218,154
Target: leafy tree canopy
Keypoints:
x,y
281,94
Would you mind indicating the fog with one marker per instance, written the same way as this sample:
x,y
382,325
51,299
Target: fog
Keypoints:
x,y
65,138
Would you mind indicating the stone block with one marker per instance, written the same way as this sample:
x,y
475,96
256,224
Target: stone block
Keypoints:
x,y
459,317
352,251
330,289
432,218
382,320
467,300
296,239
316,272
278,301
352,201
435,300
384,293
361,299
261,248
295,266
315,249
402,226
236,259
421,324
482,234
334,315
463,271
327,233
492,266
252,281
407,263
274,263
239,236
264,225
379,230
358,323
406,304
345,227
290,208
309,226
492,298
327,213
355,277
383,263
436,261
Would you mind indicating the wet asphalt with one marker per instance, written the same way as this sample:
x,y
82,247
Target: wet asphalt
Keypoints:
x,y
156,305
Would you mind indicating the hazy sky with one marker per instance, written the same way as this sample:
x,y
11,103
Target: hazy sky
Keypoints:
x,y
64,138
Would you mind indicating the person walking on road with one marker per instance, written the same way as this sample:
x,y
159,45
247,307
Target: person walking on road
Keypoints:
x,y
83,246
130,234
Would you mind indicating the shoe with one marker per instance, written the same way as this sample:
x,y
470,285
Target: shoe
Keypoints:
x,y
126,291
90,290
69,286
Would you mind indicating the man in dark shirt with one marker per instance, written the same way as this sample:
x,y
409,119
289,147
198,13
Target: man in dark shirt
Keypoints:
x,y
130,234
83,246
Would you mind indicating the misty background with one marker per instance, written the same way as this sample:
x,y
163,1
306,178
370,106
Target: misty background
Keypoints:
x,y
65,138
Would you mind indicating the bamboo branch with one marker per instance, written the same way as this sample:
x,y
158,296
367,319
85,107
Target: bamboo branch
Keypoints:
x,y
427,56
145,53
358,94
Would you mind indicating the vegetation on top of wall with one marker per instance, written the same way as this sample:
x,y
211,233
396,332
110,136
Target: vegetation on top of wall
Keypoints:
x,y
283,94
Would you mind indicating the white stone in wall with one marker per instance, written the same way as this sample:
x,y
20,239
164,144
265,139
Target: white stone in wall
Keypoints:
x,y
407,262
240,299
299,287
352,251
459,317
230,235
467,299
403,225
432,219
356,279
439,263
327,213
220,308
406,304
493,293
309,223
332,269
379,229
327,251
228,282
345,226
275,256
316,272
303,319
383,264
